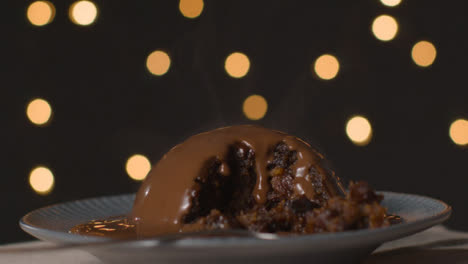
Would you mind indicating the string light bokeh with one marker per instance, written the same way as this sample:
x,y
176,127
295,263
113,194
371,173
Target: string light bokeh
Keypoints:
x,y
391,3
191,8
41,180
83,13
158,62
137,167
326,67
385,27
40,13
424,53
459,132
39,111
255,107
359,130
237,65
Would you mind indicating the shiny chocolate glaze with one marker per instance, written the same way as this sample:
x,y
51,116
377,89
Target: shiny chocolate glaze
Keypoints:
x,y
167,192
118,227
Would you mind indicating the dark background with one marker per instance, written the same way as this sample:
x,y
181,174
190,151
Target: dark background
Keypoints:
x,y
107,106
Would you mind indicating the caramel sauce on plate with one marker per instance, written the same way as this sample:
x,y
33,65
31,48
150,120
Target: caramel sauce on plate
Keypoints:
x,y
119,227
394,219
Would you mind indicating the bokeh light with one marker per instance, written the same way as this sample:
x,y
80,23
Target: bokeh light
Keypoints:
x,y
158,62
41,180
40,13
385,27
391,3
423,53
138,167
83,13
237,65
191,8
255,107
39,111
359,130
459,132
326,66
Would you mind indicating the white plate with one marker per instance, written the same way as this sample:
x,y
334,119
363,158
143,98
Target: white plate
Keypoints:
x,y
52,224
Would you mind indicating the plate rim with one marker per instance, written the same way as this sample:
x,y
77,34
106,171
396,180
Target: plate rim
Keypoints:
x,y
341,238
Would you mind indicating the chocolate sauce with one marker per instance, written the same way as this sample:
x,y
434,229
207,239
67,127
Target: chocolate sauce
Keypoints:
x,y
165,196
394,219
119,227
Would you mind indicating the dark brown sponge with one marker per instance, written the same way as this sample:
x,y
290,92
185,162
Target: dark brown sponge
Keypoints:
x,y
222,197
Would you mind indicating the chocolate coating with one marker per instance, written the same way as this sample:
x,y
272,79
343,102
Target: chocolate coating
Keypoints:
x,y
166,195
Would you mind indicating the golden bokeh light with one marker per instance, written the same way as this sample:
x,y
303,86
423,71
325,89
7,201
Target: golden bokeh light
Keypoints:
x,y
158,62
359,130
41,180
255,107
191,8
459,132
391,3
237,65
423,53
40,13
39,111
326,66
385,27
138,167
83,13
